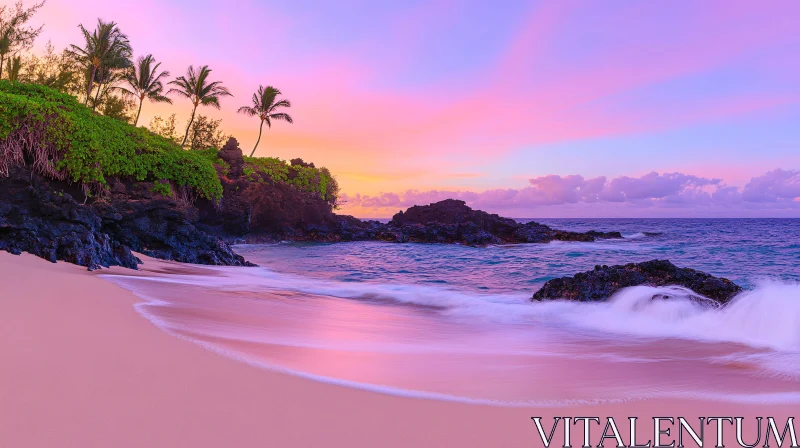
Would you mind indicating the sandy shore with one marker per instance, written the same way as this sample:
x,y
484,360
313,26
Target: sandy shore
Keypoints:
x,y
80,368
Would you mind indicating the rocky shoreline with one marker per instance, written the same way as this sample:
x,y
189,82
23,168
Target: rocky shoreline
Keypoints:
x,y
47,217
42,217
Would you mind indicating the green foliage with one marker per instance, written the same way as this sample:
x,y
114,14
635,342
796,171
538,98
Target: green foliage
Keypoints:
x,y
162,188
55,70
117,108
14,34
210,154
318,181
206,133
275,168
165,127
90,147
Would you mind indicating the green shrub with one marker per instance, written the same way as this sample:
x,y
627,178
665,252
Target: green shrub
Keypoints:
x,y
318,181
275,168
70,141
210,154
162,188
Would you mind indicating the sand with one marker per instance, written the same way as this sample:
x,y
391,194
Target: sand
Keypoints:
x,y
80,368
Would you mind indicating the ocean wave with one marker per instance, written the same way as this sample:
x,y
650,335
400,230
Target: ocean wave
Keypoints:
x,y
779,365
639,235
766,316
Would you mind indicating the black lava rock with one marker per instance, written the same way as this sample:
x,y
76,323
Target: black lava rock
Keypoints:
x,y
603,281
452,221
41,216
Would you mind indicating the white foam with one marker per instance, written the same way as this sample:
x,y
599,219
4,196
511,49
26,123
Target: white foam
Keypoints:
x,y
635,236
766,317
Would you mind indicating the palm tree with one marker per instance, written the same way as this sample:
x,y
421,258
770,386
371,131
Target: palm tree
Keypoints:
x,y
199,90
106,48
105,79
14,35
264,107
144,81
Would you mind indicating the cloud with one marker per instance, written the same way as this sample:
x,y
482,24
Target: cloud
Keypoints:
x,y
776,190
774,186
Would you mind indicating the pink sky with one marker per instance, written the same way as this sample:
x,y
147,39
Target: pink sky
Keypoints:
x,y
472,99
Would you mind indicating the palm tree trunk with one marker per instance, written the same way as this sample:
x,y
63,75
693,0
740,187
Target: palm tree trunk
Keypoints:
x,y
188,126
141,100
259,138
2,59
97,96
90,86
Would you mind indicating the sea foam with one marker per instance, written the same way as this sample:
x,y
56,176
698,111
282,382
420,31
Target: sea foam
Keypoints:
x,y
766,316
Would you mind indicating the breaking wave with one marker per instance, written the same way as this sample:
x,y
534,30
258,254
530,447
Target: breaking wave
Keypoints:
x,y
766,316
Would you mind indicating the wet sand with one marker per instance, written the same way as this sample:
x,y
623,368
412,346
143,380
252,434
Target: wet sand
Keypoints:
x,y
80,367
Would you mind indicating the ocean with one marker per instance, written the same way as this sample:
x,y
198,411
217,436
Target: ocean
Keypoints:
x,y
456,323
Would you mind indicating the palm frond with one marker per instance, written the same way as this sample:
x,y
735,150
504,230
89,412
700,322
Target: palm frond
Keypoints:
x,y
282,116
281,103
158,98
210,101
247,110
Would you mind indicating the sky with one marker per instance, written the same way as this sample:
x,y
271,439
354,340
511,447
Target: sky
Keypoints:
x,y
524,108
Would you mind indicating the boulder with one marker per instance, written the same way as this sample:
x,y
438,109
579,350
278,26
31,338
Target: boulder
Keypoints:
x,y
603,281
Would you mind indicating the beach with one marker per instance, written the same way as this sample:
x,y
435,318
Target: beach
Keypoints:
x,y
82,368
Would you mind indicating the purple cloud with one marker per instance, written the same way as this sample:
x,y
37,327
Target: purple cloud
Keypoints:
x,y
775,190
774,186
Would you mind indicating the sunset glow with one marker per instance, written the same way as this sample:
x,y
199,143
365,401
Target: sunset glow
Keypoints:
x,y
533,109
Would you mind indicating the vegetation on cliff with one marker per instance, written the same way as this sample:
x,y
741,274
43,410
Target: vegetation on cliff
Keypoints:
x,y
62,139
67,116
305,176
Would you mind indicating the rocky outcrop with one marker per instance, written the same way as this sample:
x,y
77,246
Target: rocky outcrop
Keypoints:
x,y
255,209
452,221
265,212
231,154
603,281
42,217
50,224
160,227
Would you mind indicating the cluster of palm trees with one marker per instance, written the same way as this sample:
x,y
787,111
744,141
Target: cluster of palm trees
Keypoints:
x,y
16,35
106,61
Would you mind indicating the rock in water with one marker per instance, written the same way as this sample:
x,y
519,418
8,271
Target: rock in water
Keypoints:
x,y
602,282
452,221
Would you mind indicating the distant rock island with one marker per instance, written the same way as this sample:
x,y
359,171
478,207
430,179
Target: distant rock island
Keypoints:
x,y
452,222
